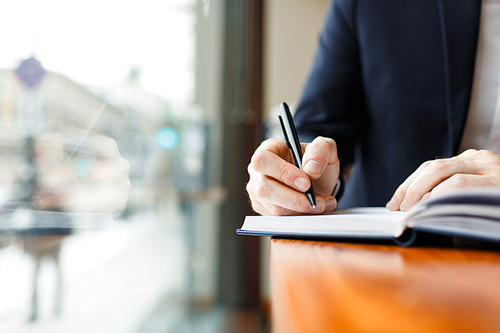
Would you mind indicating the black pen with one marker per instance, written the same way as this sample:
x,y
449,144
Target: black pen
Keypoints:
x,y
292,139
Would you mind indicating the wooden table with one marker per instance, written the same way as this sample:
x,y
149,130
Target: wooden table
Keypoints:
x,y
341,287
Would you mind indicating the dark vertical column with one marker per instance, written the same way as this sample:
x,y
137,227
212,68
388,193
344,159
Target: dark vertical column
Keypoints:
x,y
241,108
255,73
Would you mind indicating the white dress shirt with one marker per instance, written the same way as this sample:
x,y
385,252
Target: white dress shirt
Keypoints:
x,y
482,129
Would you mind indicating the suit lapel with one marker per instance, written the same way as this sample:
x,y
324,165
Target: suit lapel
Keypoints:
x,y
459,30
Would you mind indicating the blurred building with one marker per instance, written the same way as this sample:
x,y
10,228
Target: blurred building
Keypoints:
x,y
146,114
61,106
52,103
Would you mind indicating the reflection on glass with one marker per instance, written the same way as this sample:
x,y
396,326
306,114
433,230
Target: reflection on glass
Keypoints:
x,y
107,212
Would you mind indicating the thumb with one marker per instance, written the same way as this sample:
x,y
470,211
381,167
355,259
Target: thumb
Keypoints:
x,y
321,163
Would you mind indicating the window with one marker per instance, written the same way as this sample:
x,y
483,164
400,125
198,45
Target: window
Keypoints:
x,y
110,126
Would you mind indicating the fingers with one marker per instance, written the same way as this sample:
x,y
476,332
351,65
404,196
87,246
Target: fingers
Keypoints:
x,y
423,180
277,186
428,176
273,158
271,197
458,182
470,169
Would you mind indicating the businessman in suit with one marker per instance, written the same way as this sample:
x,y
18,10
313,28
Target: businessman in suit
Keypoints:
x,y
400,99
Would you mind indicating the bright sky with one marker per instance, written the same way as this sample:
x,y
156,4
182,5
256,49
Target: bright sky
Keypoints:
x,y
98,41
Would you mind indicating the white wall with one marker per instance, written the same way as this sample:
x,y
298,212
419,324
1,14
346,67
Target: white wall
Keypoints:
x,y
291,33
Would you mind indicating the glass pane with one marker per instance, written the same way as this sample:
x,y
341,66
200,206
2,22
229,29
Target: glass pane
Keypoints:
x,y
108,201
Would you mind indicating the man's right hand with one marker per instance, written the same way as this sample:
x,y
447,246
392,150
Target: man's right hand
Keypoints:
x,y
277,186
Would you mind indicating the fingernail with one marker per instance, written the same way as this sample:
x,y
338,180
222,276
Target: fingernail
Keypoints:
x,y
320,207
313,168
301,184
330,205
391,204
404,205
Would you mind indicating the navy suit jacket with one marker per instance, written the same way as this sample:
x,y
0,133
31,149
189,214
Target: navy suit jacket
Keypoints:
x,y
391,84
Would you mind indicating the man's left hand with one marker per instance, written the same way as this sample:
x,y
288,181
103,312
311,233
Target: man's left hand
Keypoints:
x,y
472,168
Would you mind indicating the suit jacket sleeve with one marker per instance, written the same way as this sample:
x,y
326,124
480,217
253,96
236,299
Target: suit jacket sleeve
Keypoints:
x,y
332,103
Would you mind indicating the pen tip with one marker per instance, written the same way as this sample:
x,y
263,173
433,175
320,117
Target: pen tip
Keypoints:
x,y
314,206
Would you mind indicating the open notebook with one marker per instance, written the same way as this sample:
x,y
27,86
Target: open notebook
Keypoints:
x,y
470,213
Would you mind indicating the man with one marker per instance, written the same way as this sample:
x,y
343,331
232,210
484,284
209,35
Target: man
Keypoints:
x,y
391,87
